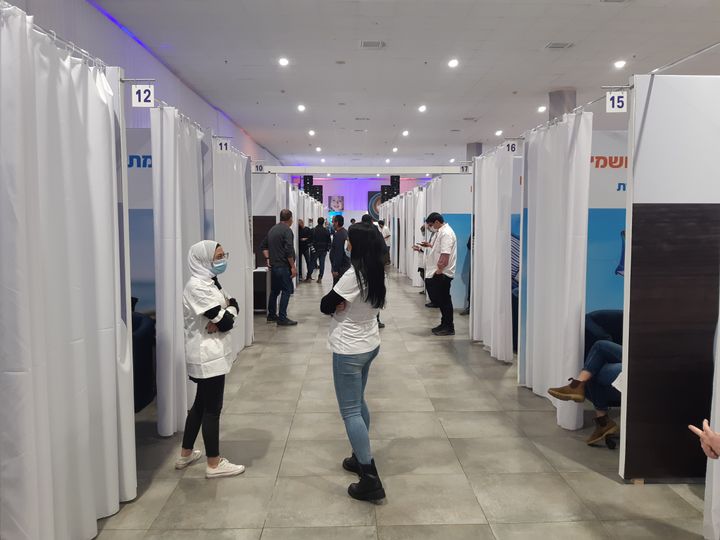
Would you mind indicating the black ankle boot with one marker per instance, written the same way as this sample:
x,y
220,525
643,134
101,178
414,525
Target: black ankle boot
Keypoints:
x,y
351,464
369,488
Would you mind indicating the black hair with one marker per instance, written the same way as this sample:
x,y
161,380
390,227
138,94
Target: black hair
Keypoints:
x,y
285,215
381,222
352,220
320,220
367,218
435,216
367,255
339,219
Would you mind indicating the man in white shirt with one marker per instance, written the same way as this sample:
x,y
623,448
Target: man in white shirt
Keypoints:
x,y
440,270
385,230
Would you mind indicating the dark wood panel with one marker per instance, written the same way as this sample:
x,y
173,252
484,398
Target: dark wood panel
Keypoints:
x,y
673,317
261,226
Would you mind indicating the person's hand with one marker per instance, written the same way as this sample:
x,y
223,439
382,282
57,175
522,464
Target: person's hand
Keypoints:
x,y
425,244
417,248
438,272
709,440
293,272
212,328
340,307
336,274
267,261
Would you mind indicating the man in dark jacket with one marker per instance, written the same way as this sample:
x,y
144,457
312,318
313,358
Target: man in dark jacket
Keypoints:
x,y
305,236
321,243
278,247
339,261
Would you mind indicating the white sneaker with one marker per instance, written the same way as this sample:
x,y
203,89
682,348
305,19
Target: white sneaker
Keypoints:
x,y
184,462
224,468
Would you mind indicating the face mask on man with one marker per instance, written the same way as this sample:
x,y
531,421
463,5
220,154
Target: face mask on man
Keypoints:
x,y
218,267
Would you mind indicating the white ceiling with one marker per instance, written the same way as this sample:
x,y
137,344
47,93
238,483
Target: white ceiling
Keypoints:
x,y
227,50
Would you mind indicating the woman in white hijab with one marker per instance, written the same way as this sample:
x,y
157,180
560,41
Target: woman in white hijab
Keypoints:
x,y
209,316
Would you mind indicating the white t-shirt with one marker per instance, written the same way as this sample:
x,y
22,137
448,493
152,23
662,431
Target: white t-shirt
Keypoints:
x,y
207,355
444,242
354,330
386,234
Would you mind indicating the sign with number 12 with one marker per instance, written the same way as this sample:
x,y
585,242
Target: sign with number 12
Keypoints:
x,y
143,95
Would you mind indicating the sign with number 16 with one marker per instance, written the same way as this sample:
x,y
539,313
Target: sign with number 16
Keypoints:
x,y
616,102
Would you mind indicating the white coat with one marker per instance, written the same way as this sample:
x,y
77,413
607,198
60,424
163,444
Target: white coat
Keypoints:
x,y
207,355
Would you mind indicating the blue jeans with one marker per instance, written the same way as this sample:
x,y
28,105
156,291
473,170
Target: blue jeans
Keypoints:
x,y
604,361
320,263
350,373
280,284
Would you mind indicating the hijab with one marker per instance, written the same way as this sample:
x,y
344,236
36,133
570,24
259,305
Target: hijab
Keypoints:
x,y
200,258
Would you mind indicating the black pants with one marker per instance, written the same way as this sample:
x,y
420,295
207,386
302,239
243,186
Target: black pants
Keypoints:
x,y
438,289
205,412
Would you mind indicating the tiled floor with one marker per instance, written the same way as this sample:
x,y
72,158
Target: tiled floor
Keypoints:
x,y
464,453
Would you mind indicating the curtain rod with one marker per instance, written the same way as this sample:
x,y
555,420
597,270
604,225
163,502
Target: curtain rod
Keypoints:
x,y
237,150
73,49
682,60
162,104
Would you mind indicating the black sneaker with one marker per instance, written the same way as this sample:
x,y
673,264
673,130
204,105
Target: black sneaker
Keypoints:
x,y
438,327
431,305
381,324
444,332
272,318
286,322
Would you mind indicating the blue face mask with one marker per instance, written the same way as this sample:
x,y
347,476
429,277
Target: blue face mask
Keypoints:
x,y
347,253
218,267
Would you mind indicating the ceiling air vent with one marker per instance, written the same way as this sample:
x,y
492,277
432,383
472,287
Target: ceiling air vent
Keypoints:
x,y
361,118
455,131
372,45
559,45
470,119
614,1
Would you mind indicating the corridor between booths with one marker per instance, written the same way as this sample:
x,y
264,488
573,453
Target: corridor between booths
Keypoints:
x,y
464,452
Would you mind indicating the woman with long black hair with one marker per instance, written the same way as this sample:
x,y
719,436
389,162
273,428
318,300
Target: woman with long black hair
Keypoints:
x,y
354,340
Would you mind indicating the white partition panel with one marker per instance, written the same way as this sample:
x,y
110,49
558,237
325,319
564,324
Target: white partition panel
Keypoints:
x,y
418,258
558,185
491,306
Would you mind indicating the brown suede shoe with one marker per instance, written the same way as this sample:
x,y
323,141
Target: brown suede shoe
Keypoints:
x,y
605,426
575,391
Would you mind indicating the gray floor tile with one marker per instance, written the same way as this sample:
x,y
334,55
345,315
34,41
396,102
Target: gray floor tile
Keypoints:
x,y
321,533
317,501
253,427
395,404
314,458
471,425
215,534
433,532
405,425
140,513
527,498
318,427
415,456
224,503
571,454
678,529
499,455
580,530
261,458
429,500
459,404
245,406
694,494
611,499
311,404
121,535
265,373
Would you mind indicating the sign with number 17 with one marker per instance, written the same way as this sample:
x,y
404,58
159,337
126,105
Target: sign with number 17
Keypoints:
x,y
616,101
143,95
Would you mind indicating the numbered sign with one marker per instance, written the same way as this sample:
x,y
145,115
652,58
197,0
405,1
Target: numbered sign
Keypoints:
x,y
513,147
143,95
616,102
224,146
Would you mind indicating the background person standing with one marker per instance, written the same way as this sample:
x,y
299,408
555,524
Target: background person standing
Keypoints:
x,y
321,243
385,230
440,271
278,247
305,234
339,259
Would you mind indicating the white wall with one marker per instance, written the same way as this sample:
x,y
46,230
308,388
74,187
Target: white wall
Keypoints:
x,y
457,196
79,22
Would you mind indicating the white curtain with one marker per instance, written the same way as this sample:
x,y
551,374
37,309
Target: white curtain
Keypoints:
x,y
179,223
491,306
293,202
558,185
64,373
281,198
232,230
418,236
403,232
712,477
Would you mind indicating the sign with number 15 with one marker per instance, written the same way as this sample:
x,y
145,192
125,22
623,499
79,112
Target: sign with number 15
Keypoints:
x,y
143,95
616,102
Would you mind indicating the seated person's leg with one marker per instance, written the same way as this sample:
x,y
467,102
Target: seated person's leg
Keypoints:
x,y
601,354
603,394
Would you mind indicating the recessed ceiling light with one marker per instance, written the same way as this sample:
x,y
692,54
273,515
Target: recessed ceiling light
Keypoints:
x,y
427,175
454,63
322,160
387,160
395,150
498,133
542,109
311,132
378,174
328,175
620,64
318,149
301,108
405,133
283,61
452,160
422,108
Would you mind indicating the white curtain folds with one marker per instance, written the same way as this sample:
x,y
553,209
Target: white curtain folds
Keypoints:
x,y
66,457
558,185
232,230
491,306
179,223
418,258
